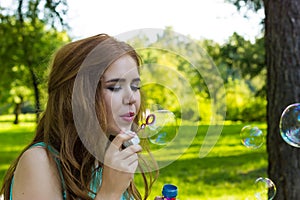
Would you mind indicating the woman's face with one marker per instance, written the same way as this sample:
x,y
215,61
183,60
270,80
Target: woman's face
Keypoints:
x,y
121,89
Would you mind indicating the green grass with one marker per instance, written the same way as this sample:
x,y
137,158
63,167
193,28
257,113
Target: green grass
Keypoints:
x,y
13,138
228,171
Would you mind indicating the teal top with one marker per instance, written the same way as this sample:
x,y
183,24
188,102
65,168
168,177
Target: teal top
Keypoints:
x,y
95,183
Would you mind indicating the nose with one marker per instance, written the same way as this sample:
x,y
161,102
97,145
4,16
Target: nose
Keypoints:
x,y
129,98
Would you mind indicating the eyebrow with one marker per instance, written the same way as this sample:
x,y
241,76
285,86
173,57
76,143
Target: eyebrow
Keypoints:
x,y
121,80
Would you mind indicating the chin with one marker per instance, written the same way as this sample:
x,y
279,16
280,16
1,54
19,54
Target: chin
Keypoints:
x,y
117,130
125,127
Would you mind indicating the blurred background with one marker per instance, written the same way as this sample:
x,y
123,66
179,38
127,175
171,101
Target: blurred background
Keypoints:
x,y
229,34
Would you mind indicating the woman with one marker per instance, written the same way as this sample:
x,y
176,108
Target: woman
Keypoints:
x,y
93,94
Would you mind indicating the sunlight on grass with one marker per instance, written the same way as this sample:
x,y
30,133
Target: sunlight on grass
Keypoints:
x,y
228,172
4,167
22,118
13,139
8,126
12,148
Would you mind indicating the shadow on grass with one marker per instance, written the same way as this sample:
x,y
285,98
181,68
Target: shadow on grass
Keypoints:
x,y
213,170
229,168
209,176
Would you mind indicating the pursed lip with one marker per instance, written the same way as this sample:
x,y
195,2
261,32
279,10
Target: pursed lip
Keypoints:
x,y
128,117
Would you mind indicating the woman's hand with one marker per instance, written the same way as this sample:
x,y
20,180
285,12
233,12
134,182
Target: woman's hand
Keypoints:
x,y
119,167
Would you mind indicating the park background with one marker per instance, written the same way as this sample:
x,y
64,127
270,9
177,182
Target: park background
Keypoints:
x,y
31,34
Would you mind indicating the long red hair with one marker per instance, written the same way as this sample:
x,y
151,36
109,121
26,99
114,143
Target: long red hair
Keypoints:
x,y
56,126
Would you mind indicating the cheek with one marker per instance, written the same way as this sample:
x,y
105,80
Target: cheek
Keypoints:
x,y
138,101
112,101
108,103
107,99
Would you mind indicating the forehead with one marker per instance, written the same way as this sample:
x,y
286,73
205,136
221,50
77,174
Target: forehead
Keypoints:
x,y
123,67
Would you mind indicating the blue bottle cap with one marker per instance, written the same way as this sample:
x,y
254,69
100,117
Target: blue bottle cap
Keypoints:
x,y
169,190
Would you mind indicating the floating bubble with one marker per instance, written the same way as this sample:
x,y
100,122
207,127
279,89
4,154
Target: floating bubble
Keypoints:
x,y
163,129
252,137
265,189
289,125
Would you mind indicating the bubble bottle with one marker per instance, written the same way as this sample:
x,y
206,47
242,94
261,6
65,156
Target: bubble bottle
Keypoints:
x,y
169,192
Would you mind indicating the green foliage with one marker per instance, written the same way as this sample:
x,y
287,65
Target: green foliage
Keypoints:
x,y
254,5
242,66
25,66
239,58
242,105
240,63
25,58
50,12
177,82
165,85
205,109
255,110
27,41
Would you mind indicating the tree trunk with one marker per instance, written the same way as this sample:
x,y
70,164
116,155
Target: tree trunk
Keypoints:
x,y
36,93
282,39
27,51
18,110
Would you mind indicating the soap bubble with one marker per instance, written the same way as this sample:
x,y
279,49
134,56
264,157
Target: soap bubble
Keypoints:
x,y
163,129
265,189
252,137
289,125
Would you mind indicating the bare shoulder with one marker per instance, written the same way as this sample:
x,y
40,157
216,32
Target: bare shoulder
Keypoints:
x,y
33,155
36,176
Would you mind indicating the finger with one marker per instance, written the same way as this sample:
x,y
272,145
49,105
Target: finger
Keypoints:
x,y
129,151
121,138
131,159
127,165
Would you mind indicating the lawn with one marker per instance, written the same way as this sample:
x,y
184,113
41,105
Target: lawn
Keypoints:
x,y
228,171
13,139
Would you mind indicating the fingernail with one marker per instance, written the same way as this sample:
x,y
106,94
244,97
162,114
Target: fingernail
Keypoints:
x,y
130,132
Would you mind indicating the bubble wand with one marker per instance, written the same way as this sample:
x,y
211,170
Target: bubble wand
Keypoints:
x,y
150,119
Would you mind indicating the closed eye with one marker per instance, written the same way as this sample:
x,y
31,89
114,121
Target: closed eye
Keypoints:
x,y
135,88
114,88
135,84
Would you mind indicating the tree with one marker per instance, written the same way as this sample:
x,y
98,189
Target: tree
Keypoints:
x,y
166,62
282,36
242,66
254,5
239,58
29,34
241,63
